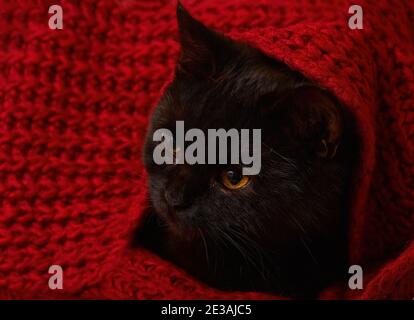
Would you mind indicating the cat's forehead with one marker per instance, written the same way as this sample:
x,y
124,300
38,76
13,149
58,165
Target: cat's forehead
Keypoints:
x,y
233,91
208,108
228,99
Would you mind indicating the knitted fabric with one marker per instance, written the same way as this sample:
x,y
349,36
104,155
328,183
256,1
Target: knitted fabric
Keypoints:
x,y
75,103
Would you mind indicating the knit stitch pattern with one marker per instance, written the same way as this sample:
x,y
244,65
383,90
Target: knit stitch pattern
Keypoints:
x,y
75,103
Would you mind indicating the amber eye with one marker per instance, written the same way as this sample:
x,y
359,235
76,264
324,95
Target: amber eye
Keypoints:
x,y
234,180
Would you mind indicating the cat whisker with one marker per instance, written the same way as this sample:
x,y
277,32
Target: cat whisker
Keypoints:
x,y
280,155
205,246
232,242
248,249
309,251
256,250
303,241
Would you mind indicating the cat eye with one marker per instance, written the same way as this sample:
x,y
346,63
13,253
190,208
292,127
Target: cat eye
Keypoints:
x,y
234,180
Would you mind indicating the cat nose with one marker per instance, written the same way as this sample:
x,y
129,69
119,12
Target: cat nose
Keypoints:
x,y
176,199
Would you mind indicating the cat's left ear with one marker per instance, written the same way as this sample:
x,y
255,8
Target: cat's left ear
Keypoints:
x,y
311,119
319,114
202,49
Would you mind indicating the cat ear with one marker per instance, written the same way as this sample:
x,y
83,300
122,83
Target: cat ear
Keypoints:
x,y
201,47
312,120
318,114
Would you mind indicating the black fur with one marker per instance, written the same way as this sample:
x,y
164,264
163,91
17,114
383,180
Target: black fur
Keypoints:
x,y
286,231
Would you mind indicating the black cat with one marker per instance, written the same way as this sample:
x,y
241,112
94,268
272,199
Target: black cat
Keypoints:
x,y
282,231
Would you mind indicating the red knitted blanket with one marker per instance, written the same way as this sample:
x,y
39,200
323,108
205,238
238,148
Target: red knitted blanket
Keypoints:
x,y
74,105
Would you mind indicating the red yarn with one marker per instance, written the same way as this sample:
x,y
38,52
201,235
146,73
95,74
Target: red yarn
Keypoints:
x,y
74,105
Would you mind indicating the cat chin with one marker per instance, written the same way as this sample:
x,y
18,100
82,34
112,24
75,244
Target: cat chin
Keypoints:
x,y
183,224
184,233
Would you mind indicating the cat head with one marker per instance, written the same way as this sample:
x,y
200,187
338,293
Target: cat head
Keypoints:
x,y
300,190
